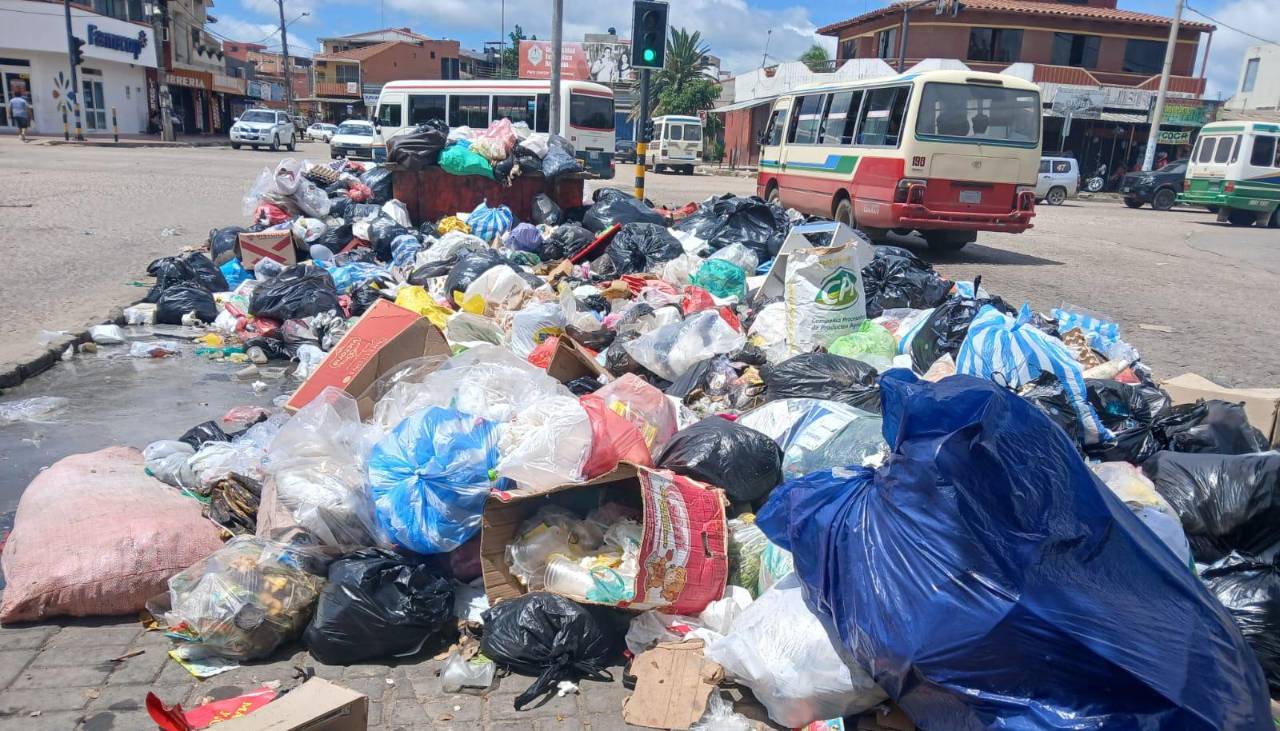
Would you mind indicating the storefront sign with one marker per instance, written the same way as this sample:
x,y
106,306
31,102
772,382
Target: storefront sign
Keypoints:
x,y
103,39
228,84
1186,113
188,79
371,100
606,63
1174,137
1079,103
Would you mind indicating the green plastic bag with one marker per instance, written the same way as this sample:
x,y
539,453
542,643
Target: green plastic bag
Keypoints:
x,y
746,545
871,343
460,160
721,278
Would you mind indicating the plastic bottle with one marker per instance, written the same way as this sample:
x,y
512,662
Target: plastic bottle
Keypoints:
x,y
568,578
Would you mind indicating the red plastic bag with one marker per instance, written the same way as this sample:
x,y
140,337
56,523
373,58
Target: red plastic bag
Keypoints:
x,y
541,355
613,439
269,213
173,718
696,299
359,192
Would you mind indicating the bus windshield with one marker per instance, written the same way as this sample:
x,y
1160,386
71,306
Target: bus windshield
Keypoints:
x,y
979,113
591,112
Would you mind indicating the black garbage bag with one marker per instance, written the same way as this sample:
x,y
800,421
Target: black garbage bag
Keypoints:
x,y
222,243
897,278
1250,589
558,162
363,211
1130,412
566,241
418,147
1226,502
378,178
504,169
180,299
336,238
298,291
274,348
616,206
338,206
619,362
204,432
382,231
583,386
190,268
552,638
469,268
824,376
640,247
363,295
734,219
529,162
423,275
545,211
428,230
1047,394
596,340
743,462
337,187
378,604
947,327
1210,427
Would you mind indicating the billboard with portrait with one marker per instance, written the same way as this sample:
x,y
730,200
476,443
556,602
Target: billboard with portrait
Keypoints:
x,y
604,63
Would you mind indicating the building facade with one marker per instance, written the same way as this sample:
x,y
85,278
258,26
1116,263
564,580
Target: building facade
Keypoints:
x,y
192,57
118,54
351,70
1258,88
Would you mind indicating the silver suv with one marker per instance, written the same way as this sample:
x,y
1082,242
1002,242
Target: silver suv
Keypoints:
x,y
1059,180
263,127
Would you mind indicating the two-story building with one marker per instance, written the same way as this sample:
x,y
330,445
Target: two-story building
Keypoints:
x,y
192,58
349,71
1258,88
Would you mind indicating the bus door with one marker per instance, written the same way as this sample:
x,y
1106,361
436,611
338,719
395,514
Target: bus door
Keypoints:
x,y
390,117
807,179
771,146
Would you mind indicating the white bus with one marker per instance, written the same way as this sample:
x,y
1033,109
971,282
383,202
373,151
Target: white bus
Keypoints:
x,y
586,110
677,143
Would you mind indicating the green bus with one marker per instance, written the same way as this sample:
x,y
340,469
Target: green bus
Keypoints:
x,y
1235,170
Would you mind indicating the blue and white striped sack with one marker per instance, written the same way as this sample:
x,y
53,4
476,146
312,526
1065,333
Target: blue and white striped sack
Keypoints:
x,y
917,324
1013,352
490,223
1102,335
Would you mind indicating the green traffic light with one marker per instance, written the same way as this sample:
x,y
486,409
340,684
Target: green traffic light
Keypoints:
x,y
650,55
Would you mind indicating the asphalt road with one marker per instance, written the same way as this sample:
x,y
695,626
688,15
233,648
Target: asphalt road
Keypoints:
x,y
82,223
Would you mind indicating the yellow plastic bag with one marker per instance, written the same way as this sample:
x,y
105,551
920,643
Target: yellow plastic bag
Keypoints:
x,y
452,223
417,299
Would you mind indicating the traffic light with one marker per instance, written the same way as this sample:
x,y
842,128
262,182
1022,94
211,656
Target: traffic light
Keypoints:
x,y
649,34
77,55
646,132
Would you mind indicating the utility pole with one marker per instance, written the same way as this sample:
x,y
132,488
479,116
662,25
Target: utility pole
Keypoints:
x,y
502,40
764,60
1149,158
284,46
158,22
557,54
75,79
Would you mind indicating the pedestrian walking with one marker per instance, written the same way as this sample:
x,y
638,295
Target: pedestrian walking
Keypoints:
x,y
20,112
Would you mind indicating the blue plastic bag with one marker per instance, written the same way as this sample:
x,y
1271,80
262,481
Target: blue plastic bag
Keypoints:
x,y
490,223
1014,353
987,580
404,248
430,476
234,272
349,276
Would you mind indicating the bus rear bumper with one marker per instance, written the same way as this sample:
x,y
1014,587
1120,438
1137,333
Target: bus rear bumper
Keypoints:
x,y
922,218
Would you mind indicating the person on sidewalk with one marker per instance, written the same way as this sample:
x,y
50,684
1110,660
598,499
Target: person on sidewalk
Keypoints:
x,y
20,112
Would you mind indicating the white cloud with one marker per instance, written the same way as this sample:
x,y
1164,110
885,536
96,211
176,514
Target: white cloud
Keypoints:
x,y
1226,57
735,30
238,29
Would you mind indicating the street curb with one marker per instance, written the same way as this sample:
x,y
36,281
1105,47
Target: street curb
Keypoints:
x,y
14,374
132,144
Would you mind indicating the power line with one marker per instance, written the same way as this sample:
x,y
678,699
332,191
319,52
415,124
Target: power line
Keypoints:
x,y
1230,27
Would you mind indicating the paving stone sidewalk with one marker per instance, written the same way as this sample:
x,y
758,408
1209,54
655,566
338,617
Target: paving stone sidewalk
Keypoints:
x,y
60,676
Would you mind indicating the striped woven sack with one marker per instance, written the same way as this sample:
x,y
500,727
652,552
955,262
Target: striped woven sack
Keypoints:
x,y
490,223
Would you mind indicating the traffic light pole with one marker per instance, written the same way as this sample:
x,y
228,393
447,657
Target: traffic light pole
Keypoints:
x,y
75,78
557,56
642,138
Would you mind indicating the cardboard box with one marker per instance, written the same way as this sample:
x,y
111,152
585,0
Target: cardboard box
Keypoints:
x,y
819,234
1261,405
316,705
383,338
571,361
254,246
684,560
673,683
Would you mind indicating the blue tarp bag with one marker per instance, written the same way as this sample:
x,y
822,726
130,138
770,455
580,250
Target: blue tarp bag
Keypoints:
x,y
430,476
987,580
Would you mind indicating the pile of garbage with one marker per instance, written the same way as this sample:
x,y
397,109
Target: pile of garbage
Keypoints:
x,y
622,434
501,152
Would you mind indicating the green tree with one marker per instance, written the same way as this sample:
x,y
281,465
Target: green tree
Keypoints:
x,y
815,58
511,53
689,98
684,85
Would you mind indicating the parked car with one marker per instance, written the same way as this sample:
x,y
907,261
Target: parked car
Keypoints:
x,y
1160,187
352,139
263,127
321,132
624,151
1059,180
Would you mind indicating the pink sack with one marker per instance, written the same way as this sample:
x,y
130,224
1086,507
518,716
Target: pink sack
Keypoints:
x,y
500,132
94,535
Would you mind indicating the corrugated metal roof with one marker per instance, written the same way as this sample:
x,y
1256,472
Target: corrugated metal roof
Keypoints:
x,y
1083,12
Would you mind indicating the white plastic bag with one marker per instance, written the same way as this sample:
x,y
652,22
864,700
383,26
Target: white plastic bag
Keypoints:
x,y
461,133
769,332
672,349
720,716
679,270
500,286
547,443
740,256
537,143
454,243
824,296
457,673
534,324
1139,494
166,460
652,627
398,212
106,334
782,651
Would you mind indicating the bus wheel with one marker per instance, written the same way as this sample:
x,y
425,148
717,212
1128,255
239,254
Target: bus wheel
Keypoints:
x,y
944,242
1164,199
1211,209
844,213
1241,218
773,196
688,170
1273,221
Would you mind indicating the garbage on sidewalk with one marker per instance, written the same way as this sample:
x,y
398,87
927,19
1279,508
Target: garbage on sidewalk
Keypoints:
x,y
314,705
790,477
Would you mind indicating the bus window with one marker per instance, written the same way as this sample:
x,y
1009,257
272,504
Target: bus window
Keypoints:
x,y
1195,151
777,124
1224,149
590,112
1206,149
423,108
514,108
389,115
470,111
978,112
674,133
1264,152
876,124
1235,152
842,116
808,119
542,116
692,133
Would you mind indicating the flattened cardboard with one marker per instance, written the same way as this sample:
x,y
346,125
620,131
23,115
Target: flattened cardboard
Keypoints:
x,y
1261,405
316,705
798,238
678,578
673,683
383,338
254,246
570,361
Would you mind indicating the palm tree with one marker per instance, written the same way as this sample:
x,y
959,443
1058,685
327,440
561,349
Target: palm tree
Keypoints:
x,y
687,59
816,58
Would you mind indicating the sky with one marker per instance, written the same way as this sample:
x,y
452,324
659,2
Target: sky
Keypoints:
x,y
739,32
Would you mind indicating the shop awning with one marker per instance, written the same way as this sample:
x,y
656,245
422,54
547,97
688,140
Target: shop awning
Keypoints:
x,y
743,105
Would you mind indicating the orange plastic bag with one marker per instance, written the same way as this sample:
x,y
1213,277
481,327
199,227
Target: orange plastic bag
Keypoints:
x,y
613,440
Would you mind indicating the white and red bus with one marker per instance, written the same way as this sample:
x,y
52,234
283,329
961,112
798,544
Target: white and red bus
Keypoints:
x,y
945,153
586,110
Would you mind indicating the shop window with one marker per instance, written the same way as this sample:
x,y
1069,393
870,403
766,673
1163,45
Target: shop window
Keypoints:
x,y
1072,49
1143,57
887,43
94,102
995,44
